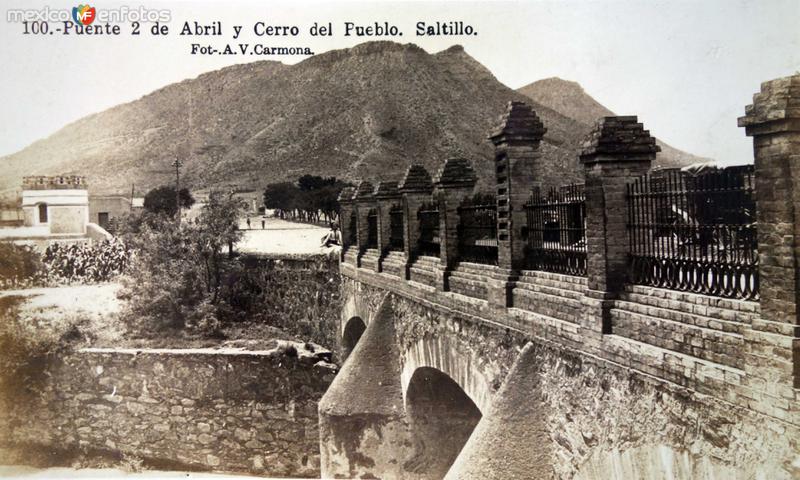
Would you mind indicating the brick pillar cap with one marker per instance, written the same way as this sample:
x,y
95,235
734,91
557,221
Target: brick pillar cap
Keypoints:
x,y
776,107
455,173
364,191
615,139
519,123
416,179
346,195
386,190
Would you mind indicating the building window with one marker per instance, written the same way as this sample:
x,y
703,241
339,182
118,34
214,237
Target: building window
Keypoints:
x,y
102,219
42,213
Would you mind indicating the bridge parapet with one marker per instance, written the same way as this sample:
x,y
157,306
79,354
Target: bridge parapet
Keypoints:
x,y
734,342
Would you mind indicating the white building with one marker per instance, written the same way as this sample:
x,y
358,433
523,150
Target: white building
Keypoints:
x,y
54,209
60,204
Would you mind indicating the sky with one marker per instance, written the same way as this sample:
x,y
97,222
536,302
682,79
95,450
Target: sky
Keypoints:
x,y
686,68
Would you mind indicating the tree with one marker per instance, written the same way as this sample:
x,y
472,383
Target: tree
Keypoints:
x,y
313,182
179,270
162,200
313,195
281,196
329,198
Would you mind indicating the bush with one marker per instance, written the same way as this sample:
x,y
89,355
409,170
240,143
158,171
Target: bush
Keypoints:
x,y
20,266
179,270
25,267
27,347
83,263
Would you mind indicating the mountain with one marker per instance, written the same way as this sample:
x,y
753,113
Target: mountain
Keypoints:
x,y
569,99
363,112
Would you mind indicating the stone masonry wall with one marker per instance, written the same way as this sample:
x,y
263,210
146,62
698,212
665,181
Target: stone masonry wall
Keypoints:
x,y
222,410
298,294
606,422
611,407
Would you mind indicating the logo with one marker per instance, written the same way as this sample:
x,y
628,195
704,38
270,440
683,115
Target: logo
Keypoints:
x,y
83,14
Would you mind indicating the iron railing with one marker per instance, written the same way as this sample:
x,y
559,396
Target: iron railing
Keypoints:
x,y
695,233
428,216
477,230
396,228
372,228
556,233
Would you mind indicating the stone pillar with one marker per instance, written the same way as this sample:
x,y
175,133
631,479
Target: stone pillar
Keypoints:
x,y
346,209
617,151
516,145
365,201
454,181
387,196
416,188
773,343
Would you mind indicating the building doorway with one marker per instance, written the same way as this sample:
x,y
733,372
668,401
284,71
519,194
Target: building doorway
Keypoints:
x,y
102,219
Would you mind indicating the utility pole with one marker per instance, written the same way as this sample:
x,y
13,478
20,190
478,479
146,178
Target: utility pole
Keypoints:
x,y
178,164
133,192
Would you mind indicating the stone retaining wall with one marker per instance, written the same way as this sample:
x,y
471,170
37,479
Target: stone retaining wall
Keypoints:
x,y
222,410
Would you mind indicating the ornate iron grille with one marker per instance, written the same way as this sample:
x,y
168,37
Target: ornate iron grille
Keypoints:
x,y
352,233
695,233
557,230
396,228
477,230
428,216
372,229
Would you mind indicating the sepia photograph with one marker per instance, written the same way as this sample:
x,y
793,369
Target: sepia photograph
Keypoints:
x,y
398,239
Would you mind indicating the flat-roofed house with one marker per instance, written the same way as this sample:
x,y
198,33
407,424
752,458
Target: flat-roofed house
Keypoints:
x,y
103,209
59,204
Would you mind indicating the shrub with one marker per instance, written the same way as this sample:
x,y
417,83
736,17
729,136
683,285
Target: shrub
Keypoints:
x,y
84,263
25,267
27,346
20,266
178,273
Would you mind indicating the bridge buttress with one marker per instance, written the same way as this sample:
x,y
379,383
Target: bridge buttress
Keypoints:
x,y
362,423
514,430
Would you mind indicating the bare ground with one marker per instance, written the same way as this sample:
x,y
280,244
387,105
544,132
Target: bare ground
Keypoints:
x,y
280,237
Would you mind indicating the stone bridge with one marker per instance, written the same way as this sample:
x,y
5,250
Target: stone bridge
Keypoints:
x,y
502,367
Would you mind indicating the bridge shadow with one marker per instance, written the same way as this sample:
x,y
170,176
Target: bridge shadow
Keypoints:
x,y
353,330
441,418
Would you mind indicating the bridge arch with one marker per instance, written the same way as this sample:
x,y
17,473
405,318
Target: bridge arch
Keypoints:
x,y
351,334
441,418
446,355
357,304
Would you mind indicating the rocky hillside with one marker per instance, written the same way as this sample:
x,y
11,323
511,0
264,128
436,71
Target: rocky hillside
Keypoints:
x,y
367,111
569,99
